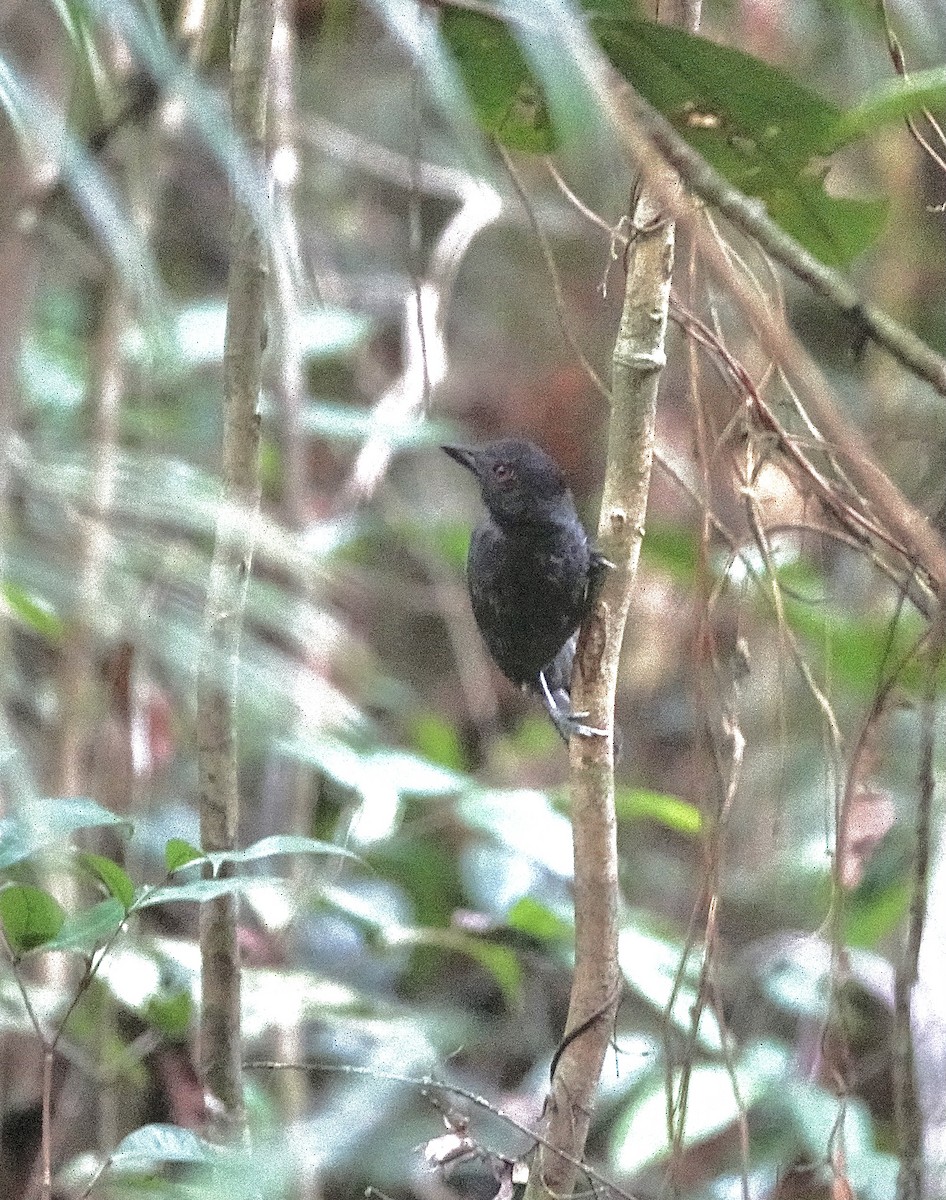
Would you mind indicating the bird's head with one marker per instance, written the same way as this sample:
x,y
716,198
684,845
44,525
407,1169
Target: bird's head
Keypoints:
x,y
519,482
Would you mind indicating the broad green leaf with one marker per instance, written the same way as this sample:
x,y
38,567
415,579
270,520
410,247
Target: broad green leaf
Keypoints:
x,y
508,102
438,741
672,549
766,133
539,921
113,876
279,844
651,965
47,822
346,423
760,128
870,916
733,107
500,961
198,331
85,931
171,1014
160,1144
200,891
32,611
178,853
857,650
30,916
714,1102
893,101
679,815
835,229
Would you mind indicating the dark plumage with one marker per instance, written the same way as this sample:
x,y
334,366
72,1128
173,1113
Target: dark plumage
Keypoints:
x,y
529,571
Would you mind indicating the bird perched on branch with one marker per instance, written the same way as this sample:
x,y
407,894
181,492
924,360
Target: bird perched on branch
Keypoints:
x,y
530,570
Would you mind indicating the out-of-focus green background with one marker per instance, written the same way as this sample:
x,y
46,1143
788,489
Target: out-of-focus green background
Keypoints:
x,y
370,715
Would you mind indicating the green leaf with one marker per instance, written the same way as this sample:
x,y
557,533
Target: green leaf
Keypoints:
x,y
346,423
869,917
198,331
835,229
507,100
672,549
679,815
200,891
33,612
760,128
640,1134
438,741
734,107
893,101
52,378
500,961
539,921
49,821
651,966
160,1144
280,844
30,916
171,1014
87,930
524,822
178,853
113,876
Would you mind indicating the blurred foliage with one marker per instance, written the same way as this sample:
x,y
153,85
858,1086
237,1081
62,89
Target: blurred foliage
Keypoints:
x,y
405,882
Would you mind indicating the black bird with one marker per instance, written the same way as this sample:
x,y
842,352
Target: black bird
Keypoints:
x,y
530,571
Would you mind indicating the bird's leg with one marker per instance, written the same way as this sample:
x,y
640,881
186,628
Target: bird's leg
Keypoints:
x,y
565,721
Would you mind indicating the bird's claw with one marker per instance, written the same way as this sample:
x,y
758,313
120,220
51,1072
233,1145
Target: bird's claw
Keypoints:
x,y
569,724
574,722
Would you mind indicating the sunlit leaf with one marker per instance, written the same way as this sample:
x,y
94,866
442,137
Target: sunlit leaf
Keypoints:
x,y
51,380
115,878
651,967
171,1014
32,611
85,931
524,821
200,891
508,102
178,853
160,1144
715,1100
30,916
50,821
197,334
280,844
539,921
345,422
671,811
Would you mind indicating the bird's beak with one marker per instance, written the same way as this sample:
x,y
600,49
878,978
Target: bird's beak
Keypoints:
x,y
466,458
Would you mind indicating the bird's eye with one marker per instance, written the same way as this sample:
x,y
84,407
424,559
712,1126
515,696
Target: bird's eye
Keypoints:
x,y
502,471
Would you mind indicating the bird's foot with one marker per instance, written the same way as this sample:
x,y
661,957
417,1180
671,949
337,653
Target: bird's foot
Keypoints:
x,y
569,724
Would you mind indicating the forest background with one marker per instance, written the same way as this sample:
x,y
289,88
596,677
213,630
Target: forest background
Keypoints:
x,y
198,218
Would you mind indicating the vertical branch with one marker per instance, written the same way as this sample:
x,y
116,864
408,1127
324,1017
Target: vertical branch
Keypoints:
x,y
907,1103
230,569
638,359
